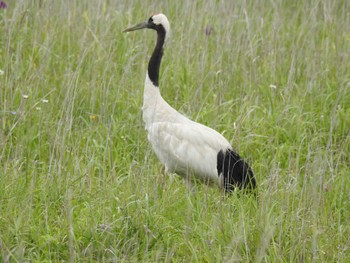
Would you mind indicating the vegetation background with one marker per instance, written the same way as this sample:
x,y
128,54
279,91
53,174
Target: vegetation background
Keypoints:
x,y
79,181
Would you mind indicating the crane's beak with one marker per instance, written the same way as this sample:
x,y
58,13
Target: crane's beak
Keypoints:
x,y
136,27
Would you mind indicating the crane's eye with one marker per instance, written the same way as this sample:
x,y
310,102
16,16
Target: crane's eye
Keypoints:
x,y
150,20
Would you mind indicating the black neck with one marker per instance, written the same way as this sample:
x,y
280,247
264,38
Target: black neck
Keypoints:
x,y
156,58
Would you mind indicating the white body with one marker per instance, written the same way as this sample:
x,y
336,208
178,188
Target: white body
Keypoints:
x,y
183,146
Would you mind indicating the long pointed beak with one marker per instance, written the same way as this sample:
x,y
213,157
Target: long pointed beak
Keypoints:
x,y
136,27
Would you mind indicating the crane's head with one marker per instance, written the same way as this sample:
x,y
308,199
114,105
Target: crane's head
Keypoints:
x,y
158,22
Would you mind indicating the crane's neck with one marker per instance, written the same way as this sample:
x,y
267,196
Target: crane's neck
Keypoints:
x,y
156,58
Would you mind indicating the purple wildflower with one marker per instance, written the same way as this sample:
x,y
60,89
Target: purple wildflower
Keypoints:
x,y
3,5
208,30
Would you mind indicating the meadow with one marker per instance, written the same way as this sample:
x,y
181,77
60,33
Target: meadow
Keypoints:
x,y
78,179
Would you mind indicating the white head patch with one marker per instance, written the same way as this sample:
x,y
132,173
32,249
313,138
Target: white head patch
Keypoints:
x,y
161,19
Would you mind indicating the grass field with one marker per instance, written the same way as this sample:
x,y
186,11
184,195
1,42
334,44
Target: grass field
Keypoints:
x,y
78,179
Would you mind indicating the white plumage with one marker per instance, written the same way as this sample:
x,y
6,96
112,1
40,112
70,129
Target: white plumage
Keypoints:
x,y
186,147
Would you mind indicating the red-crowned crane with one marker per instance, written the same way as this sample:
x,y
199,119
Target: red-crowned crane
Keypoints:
x,y
185,147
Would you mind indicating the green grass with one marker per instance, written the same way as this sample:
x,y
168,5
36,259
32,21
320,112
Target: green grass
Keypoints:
x,y
79,181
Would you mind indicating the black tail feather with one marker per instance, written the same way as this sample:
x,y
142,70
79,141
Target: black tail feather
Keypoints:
x,y
235,171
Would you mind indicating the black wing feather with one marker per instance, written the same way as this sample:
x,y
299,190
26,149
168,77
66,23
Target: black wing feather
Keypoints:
x,y
235,171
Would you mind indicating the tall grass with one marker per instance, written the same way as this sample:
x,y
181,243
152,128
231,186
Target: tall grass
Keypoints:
x,y
79,181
